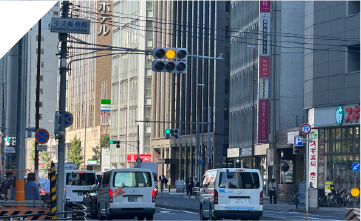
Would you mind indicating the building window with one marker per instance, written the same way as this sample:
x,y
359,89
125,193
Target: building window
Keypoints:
x,y
41,51
55,14
149,39
150,9
40,104
41,91
41,77
42,38
353,7
42,65
353,63
40,116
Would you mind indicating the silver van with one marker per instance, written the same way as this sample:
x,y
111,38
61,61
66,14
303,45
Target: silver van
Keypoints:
x,y
231,193
126,193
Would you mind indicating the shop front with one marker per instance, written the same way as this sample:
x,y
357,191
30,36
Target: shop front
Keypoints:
x,y
338,131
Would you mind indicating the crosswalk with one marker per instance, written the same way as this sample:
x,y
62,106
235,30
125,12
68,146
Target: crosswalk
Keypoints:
x,y
299,216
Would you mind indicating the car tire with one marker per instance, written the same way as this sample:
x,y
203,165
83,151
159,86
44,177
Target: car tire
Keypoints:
x,y
100,217
93,214
149,217
211,217
201,217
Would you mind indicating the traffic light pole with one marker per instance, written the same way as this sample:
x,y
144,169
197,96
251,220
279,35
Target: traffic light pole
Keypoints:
x,y
209,153
62,98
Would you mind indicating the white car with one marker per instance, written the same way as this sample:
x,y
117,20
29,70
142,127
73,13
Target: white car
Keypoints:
x,y
126,193
231,193
78,183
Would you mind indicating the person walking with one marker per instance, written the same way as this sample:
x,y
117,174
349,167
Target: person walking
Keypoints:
x,y
31,188
272,186
190,187
6,186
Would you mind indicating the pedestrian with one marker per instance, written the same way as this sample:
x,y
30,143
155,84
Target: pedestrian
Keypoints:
x,y
13,189
272,186
31,188
163,181
190,188
6,186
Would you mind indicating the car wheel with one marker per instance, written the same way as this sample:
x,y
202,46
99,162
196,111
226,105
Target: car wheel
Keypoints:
x,y
149,217
211,217
100,217
92,211
201,217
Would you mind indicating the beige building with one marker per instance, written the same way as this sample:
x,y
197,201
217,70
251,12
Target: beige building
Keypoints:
x,y
89,80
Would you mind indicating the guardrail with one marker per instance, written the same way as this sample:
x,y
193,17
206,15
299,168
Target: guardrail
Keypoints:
x,y
25,214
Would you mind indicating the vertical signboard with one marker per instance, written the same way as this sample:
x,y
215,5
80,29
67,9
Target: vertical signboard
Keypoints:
x,y
270,160
264,30
104,15
264,6
313,158
321,164
263,121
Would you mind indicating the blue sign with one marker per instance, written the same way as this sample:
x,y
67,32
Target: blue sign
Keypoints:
x,y
70,25
200,162
298,141
355,167
2,158
68,118
41,136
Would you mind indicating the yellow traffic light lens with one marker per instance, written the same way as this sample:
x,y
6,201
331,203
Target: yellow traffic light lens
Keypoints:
x,y
170,54
355,191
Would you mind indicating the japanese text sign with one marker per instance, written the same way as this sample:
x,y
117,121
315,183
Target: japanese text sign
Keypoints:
x,y
70,25
313,157
263,121
104,10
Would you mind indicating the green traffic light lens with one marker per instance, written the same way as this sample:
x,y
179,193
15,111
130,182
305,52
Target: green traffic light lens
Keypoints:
x,y
167,131
111,142
7,139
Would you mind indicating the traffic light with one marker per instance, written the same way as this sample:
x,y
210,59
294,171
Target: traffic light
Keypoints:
x,y
117,142
57,122
173,60
171,132
10,141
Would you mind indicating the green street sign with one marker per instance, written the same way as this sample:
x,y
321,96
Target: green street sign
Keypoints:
x,y
339,114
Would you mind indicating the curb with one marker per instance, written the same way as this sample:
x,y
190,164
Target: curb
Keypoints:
x,y
186,208
315,211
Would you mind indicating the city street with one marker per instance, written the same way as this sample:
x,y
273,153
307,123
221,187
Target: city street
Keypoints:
x,y
178,206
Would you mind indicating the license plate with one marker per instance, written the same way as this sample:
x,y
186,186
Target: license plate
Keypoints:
x,y
80,194
240,201
132,199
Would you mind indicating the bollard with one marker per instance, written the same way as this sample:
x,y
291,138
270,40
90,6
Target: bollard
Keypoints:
x,y
52,178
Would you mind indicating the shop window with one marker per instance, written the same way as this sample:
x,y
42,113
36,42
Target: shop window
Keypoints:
x,y
344,147
349,133
344,132
338,147
349,147
353,57
327,134
357,132
331,147
338,133
332,134
326,148
356,147
322,134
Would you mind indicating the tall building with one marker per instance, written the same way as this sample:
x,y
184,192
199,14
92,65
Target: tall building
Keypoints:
x,y
131,80
267,74
332,91
183,99
88,81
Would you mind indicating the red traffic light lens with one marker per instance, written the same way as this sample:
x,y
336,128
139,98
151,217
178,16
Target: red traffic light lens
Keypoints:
x,y
159,66
160,53
181,66
182,54
170,66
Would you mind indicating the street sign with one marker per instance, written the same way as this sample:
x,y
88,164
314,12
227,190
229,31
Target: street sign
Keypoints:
x,y
200,162
41,136
70,25
68,118
298,141
42,147
9,150
139,160
355,167
305,129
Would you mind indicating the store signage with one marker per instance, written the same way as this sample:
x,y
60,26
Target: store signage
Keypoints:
x,y
264,6
313,158
105,105
321,164
105,13
264,21
263,121
133,157
263,67
246,152
233,152
348,114
263,88
70,25
270,157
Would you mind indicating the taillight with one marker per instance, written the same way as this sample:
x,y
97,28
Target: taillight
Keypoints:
x,y
42,191
215,197
153,196
110,196
261,198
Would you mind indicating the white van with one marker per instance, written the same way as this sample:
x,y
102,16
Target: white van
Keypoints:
x,y
231,193
77,183
127,193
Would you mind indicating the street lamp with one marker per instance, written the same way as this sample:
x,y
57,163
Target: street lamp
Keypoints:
x,y
253,79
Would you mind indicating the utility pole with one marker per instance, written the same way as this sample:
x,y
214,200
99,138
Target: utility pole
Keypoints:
x,y
138,140
37,99
209,154
20,124
62,93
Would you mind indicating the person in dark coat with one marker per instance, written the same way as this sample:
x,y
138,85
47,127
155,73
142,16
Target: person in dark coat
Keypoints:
x,y
190,188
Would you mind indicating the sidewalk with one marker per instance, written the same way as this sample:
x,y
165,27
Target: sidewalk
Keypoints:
x,y
181,201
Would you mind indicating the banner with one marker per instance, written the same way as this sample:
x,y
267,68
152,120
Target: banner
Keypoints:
x,y
270,159
264,6
263,121
313,158
145,157
264,30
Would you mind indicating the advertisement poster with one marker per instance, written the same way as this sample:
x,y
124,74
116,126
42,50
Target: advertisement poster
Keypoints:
x,y
313,158
289,174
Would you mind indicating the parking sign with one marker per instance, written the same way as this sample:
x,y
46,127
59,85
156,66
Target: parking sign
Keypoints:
x,y
298,141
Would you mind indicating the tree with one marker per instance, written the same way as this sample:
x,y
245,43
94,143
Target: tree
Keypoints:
x,y
104,142
32,153
75,152
46,159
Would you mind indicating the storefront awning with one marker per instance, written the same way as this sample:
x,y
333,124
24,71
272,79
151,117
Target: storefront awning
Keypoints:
x,y
168,161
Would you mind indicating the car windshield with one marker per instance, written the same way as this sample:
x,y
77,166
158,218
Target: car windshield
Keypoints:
x,y
132,179
239,180
80,179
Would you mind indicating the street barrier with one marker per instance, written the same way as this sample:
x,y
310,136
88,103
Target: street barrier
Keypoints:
x,y
352,214
27,214
52,178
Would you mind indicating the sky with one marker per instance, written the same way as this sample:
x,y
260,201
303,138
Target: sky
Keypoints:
x,y
17,17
